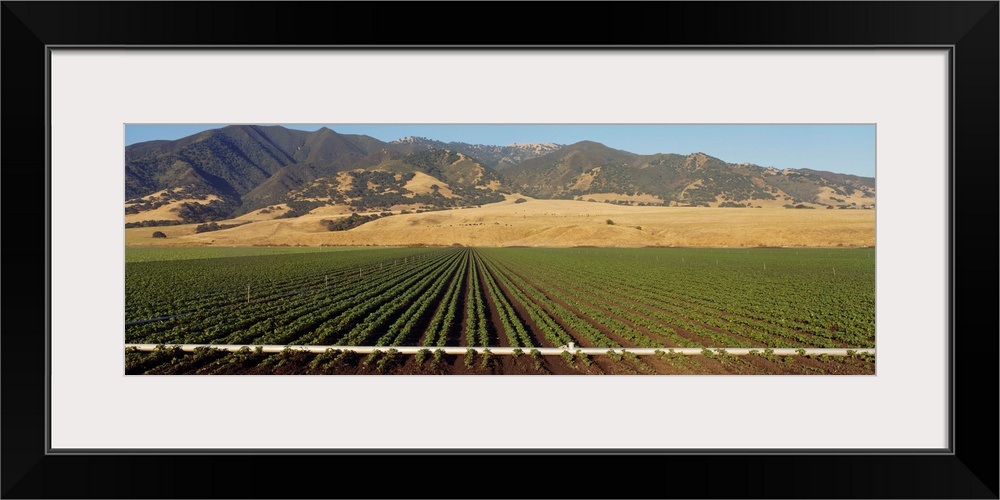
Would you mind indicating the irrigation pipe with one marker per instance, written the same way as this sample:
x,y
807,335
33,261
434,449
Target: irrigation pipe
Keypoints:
x,y
544,351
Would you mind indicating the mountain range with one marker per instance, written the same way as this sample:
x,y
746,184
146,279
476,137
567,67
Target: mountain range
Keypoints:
x,y
220,173
497,157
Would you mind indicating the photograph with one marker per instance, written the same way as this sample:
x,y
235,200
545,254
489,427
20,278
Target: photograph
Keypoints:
x,y
727,207
475,249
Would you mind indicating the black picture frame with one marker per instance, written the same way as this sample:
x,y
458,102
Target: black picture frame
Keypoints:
x,y
967,470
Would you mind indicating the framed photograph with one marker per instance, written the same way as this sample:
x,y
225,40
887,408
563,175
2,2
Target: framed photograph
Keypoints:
x,y
918,100
374,249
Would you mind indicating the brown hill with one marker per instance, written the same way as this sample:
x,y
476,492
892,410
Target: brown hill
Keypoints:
x,y
549,223
237,170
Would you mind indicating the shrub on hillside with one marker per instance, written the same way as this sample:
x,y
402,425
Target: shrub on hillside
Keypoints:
x,y
214,226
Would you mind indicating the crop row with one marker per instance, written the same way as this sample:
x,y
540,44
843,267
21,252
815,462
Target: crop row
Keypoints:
x,y
721,303
164,288
518,297
315,313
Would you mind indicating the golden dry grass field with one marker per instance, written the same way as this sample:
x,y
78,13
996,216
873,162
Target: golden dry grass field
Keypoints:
x,y
545,223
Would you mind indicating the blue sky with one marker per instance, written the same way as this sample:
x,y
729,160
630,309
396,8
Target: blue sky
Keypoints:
x,y
848,149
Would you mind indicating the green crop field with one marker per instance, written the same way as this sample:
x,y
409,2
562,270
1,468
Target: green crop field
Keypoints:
x,y
527,298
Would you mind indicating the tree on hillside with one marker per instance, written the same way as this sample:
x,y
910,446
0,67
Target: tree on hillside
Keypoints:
x,y
159,234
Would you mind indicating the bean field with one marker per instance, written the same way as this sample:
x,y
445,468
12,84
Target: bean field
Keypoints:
x,y
531,299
